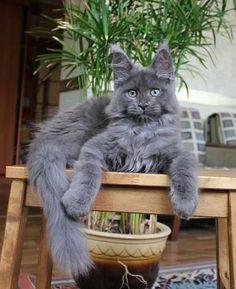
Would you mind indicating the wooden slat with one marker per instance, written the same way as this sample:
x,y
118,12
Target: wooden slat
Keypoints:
x,y
232,237
223,253
44,272
147,200
208,179
16,172
13,238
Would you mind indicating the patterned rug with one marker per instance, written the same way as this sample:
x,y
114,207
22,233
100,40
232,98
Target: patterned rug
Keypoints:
x,y
202,276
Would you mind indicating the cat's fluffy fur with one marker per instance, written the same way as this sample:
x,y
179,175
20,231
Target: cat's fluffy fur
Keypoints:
x,y
137,130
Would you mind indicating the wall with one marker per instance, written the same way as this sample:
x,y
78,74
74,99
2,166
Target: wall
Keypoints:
x,y
218,78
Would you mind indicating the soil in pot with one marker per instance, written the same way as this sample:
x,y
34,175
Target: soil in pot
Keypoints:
x,y
114,275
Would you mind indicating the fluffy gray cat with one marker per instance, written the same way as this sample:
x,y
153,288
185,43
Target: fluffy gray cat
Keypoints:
x,y
136,130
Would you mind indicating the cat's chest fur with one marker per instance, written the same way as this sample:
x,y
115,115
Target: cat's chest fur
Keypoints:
x,y
134,139
130,150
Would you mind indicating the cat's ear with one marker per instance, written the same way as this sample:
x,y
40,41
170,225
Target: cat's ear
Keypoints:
x,y
121,64
162,63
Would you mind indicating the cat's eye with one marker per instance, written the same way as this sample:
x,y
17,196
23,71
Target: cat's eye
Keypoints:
x,y
155,92
132,93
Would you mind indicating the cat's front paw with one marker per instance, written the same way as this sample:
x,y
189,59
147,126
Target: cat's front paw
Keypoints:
x,y
74,206
184,206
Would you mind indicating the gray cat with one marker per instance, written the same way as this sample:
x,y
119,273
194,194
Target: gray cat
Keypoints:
x,y
137,130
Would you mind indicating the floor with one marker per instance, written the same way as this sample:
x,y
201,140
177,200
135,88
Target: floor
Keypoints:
x,y
196,244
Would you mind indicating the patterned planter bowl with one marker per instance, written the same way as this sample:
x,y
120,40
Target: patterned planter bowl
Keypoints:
x,y
122,259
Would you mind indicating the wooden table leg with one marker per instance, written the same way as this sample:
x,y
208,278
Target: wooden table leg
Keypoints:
x,y
232,237
223,254
44,274
175,227
13,237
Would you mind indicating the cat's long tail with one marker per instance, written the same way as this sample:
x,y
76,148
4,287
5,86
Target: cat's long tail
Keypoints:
x,y
46,164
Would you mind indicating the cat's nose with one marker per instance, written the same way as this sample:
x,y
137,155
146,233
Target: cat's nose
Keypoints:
x,y
143,106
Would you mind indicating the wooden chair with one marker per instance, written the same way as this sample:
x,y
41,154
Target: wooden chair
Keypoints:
x,y
146,193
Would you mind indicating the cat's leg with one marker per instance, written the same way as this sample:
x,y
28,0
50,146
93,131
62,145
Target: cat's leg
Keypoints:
x,y
86,181
183,172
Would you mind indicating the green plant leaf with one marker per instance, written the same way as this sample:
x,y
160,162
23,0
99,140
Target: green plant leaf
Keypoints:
x,y
84,35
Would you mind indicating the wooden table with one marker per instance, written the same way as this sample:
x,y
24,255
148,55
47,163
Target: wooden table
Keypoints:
x,y
129,192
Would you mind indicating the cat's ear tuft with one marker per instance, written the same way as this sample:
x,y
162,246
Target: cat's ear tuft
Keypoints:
x,y
121,64
162,62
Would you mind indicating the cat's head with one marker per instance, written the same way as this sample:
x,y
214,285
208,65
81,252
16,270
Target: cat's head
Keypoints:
x,y
143,93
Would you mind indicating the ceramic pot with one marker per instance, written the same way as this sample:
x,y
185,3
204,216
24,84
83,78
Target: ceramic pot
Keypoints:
x,y
121,258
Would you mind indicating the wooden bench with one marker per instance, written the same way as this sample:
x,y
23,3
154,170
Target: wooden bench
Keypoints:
x,y
144,193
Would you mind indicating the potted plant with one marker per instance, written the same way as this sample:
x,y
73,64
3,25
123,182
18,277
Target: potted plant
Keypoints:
x,y
126,249
90,27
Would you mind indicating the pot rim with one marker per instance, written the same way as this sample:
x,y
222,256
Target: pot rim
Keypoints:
x,y
164,232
